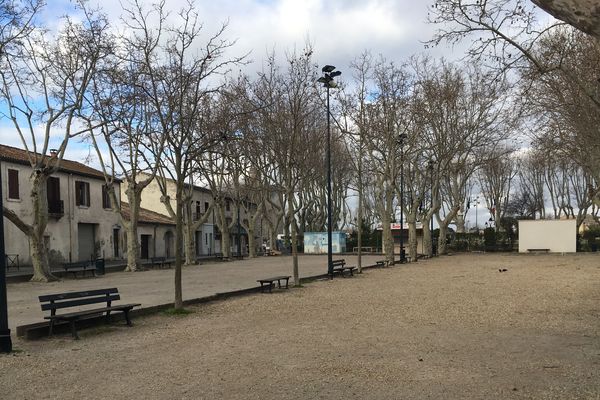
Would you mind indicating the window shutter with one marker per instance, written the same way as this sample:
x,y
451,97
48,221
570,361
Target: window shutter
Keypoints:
x,y
87,193
105,197
13,184
78,193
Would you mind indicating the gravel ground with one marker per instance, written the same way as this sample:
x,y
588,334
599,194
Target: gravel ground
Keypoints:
x,y
451,327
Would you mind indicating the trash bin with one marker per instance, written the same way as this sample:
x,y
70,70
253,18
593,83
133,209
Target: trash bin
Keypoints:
x,y
100,266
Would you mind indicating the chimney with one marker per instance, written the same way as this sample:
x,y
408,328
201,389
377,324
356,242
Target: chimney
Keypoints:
x,y
53,152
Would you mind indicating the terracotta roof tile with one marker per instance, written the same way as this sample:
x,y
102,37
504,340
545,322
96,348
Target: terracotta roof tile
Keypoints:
x,y
147,216
19,156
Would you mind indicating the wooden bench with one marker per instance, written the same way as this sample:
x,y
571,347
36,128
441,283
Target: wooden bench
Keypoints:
x,y
538,250
340,267
80,266
269,282
381,263
160,261
60,301
219,256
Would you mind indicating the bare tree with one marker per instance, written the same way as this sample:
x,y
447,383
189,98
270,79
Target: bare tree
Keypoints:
x,y
16,22
120,108
532,183
563,114
356,126
179,83
43,83
495,179
386,144
291,126
464,116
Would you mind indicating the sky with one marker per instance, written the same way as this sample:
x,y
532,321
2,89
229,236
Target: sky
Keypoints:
x,y
340,30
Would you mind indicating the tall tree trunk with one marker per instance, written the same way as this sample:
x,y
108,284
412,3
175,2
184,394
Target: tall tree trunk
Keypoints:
x,y
39,259
294,235
224,227
360,212
442,239
225,244
460,223
443,225
427,239
388,240
133,252
133,247
39,252
251,241
359,233
178,304
412,237
190,241
273,238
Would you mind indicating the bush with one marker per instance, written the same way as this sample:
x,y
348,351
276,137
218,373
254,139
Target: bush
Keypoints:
x,y
591,238
489,238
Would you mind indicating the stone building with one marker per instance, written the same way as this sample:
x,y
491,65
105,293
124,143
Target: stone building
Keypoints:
x,y
81,221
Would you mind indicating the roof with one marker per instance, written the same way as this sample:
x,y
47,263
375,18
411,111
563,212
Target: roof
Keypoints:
x,y
20,156
146,216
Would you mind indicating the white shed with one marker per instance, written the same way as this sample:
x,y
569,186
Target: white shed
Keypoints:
x,y
558,236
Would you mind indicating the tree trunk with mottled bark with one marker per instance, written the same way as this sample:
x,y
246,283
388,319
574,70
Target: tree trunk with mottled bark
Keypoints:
x,y
294,235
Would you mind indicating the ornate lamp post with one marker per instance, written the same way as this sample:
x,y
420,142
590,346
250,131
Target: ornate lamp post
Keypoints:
x,y
327,80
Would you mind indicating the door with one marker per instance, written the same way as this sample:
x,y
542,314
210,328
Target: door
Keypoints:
x,y
86,236
145,246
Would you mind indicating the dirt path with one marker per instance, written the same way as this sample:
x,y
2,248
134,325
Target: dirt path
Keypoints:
x,y
452,327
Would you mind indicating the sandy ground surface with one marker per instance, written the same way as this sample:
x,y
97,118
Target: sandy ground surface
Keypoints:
x,y
448,328
156,286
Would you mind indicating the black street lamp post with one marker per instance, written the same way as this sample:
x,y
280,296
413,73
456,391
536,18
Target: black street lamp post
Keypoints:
x,y
327,80
431,219
239,233
5,340
401,139
476,222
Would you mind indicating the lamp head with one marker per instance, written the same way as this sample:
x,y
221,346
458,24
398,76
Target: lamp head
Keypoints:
x,y
335,73
328,68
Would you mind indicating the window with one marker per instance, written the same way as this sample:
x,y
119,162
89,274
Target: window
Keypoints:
x,y
105,197
206,206
82,194
227,205
13,184
198,211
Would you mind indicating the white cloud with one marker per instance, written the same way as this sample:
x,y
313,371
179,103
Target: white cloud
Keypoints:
x,y
340,30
